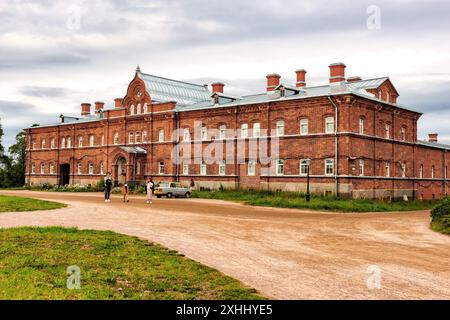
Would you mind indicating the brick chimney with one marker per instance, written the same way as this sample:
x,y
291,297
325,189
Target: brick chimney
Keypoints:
x,y
273,80
99,106
337,72
301,78
217,87
85,109
353,79
118,102
433,137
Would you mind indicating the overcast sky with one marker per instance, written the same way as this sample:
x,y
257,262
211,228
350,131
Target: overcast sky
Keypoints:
x,y
56,54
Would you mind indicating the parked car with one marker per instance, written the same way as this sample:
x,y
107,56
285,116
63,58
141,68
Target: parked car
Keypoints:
x,y
172,189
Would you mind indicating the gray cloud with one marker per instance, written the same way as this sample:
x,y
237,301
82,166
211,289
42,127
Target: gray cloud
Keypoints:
x,y
44,92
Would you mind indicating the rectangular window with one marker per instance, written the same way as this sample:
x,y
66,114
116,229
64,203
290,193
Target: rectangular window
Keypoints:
x,y
403,169
161,135
222,132
280,167
387,131
80,142
161,167
256,130
222,170
33,168
185,167
91,141
388,169
244,131
144,136
131,138
361,167
203,168
361,125
102,168
251,167
329,167
304,163
280,128
204,134
91,168
79,168
329,125
138,137
304,126
186,135
116,138
421,171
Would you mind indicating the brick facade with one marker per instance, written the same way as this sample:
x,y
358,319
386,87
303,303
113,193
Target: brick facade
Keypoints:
x,y
369,136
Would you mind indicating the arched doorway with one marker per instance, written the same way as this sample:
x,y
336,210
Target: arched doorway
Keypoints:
x,y
120,173
64,174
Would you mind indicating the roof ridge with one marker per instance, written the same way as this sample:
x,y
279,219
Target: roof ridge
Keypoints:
x,y
174,80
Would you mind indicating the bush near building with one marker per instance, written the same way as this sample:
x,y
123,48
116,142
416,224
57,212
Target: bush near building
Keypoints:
x,y
440,217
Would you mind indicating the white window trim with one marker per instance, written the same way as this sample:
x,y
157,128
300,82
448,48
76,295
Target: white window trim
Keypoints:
x,y
329,120
203,168
256,132
300,168
280,163
304,122
327,161
279,131
222,165
251,173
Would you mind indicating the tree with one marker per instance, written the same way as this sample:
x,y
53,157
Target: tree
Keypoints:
x,y
18,155
2,150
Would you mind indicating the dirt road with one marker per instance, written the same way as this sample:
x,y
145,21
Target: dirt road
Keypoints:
x,y
284,254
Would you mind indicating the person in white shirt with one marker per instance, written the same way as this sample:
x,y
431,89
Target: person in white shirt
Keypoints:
x,y
150,187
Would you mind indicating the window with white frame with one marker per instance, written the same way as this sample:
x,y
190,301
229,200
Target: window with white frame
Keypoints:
x,y
304,163
102,168
402,134
116,138
432,172
63,143
361,167
161,135
387,130
161,167
280,167
185,167
421,171
280,128
204,134
51,168
103,139
131,138
52,143
329,125
186,135
329,167
203,168
137,137
222,170
403,169
144,136
244,131
222,132
304,126
33,168
42,168
256,130
79,168
91,168
387,170
69,142
361,125
91,140
43,144
251,167
80,142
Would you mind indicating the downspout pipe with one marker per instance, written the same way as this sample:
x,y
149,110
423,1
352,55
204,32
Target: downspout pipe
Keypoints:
x,y
336,144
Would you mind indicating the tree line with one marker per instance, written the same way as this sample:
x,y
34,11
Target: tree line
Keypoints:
x,y
12,164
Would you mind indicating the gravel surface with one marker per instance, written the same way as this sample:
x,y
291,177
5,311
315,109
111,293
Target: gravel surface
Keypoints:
x,y
283,253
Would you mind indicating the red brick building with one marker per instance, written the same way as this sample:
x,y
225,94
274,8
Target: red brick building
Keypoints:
x,y
354,136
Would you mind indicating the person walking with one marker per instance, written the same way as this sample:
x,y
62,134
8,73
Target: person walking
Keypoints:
x,y
108,186
125,190
150,188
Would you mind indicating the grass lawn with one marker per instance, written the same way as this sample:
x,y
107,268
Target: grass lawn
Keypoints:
x,y
33,264
441,226
11,203
297,200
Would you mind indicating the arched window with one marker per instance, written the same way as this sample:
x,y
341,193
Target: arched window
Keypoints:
x,y
131,138
63,143
91,140
33,168
138,109
102,168
80,141
91,168
138,137
361,125
144,136
304,126
42,168
132,109
51,168
69,142
280,128
52,143
79,168
222,132
116,138
43,144
203,168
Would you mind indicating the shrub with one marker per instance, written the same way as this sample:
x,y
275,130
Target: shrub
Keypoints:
x,y
441,211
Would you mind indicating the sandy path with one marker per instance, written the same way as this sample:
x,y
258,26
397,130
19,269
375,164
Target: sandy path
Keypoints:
x,y
284,254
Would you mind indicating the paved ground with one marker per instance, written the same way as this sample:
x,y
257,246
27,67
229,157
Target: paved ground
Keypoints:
x,y
284,254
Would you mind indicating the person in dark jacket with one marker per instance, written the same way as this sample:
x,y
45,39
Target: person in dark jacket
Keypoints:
x,y
108,186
